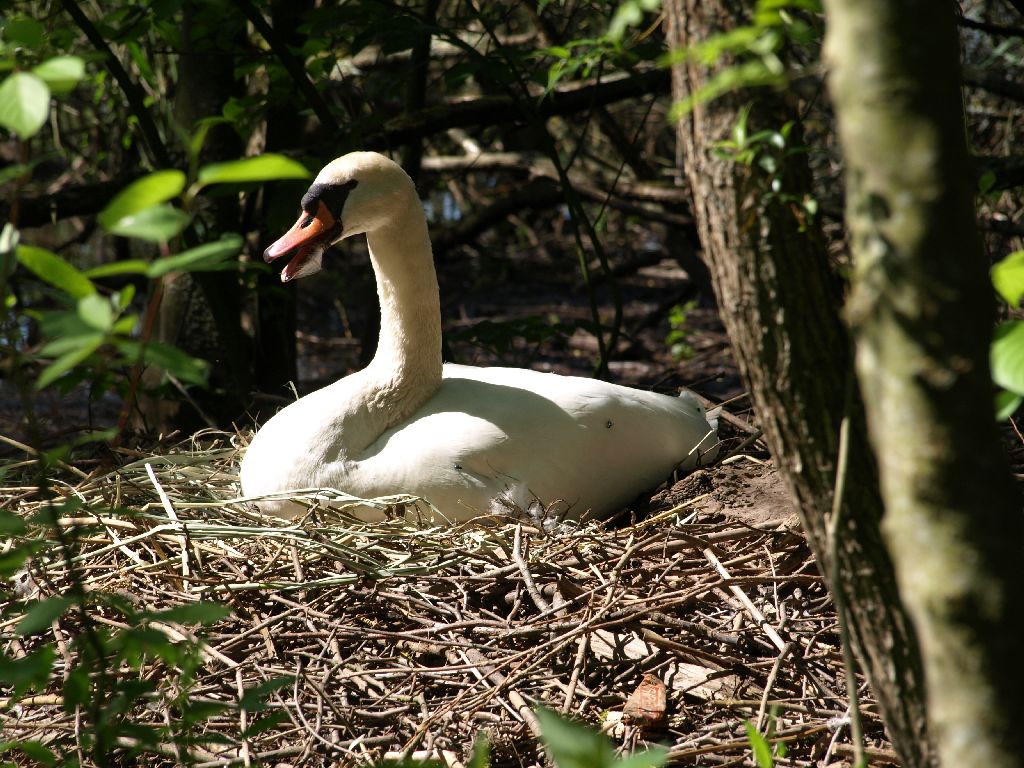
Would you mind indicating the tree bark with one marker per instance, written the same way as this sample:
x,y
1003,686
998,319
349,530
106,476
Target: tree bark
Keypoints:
x,y
922,311
275,316
201,312
780,303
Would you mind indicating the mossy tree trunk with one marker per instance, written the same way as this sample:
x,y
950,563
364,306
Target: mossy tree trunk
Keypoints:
x,y
922,312
780,303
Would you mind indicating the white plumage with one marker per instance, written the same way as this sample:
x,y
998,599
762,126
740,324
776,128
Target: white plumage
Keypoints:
x,y
466,439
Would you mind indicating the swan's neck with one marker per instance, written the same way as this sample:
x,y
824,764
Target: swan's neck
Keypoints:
x,y
406,369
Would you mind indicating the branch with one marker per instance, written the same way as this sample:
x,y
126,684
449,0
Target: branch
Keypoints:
x,y
294,67
490,110
540,192
373,58
1008,171
534,164
88,199
980,78
1018,5
992,29
73,200
136,98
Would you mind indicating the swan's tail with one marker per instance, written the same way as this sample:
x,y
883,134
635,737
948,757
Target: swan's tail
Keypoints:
x,y
711,416
706,448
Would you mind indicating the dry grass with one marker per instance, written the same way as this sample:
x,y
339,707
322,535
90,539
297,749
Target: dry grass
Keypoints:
x,y
407,639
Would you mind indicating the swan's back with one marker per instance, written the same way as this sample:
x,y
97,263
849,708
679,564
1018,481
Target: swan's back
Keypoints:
x,y
493,434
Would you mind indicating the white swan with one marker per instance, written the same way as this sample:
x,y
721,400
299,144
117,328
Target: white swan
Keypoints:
x,y
464,438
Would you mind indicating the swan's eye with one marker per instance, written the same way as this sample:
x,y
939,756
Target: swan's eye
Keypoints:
x,y
308,220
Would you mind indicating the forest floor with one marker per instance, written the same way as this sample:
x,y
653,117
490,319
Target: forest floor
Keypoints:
x,y
697,610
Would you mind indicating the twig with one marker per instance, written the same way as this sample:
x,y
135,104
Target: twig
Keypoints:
x,y
132,93
751,608
183,537
524,569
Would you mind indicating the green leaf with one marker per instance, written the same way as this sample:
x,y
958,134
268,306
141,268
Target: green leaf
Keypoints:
x,y
266,167
652,757
481,752
158,187
24,103
13,559
188,369
96,312
11,172
760,747
200,259
61,73
24,31
157,224
56,271
1008,356
31,671
64,344
124,297
34,750
11,524
629,14
198,138
126,267
66,362
42,614
1008,278
193,613
76,688
60,323
1007,404
125,325
986,181
571,745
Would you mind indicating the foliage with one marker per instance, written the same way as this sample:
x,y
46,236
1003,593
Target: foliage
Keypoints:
x,y
1008,344
678,338
93,332
84,320
764,751
25,93
103,701
571,745
755,48
768,151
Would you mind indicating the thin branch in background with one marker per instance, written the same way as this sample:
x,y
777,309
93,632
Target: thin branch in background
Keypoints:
x,y
989,27
1018,5
416,93
132,92
294,67
525,105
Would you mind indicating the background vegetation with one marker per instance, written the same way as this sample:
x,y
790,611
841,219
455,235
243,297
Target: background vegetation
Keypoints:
x,y
152,149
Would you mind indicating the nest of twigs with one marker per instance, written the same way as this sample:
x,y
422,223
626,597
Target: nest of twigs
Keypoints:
x,y
378,640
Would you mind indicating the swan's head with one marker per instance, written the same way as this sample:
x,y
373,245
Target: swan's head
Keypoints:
x,y
357,193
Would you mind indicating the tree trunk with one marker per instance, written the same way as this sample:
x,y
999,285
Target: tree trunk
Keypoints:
x,y
780,303
275,324
201,312
922,310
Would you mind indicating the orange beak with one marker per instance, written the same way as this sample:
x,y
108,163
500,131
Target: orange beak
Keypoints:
x,y
310,235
